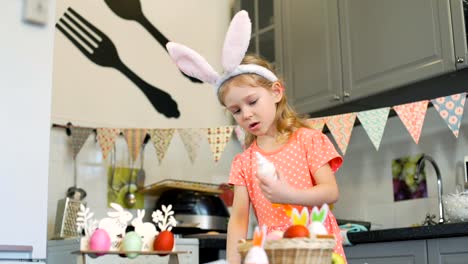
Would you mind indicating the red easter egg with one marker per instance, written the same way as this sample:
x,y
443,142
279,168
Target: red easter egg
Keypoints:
x,y
164,242
296,231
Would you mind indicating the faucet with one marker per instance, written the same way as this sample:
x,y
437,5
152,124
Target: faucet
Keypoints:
x,y
420,166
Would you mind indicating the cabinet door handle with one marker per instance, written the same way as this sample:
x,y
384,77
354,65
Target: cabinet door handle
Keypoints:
x,y
460,60
336,98
346,94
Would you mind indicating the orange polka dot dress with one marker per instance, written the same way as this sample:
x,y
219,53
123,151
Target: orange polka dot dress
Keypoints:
x,y
306,151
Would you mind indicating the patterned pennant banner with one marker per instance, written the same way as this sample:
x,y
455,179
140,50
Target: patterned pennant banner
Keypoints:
x,y
341,127
191,137
412,115
218,137
161,139
134,138
317,123
450,109
240,134
373,122
79,135
106,138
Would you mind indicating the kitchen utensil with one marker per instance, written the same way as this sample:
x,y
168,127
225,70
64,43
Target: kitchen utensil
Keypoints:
x,y
113,164
105,54
68,208
141,175
65,219
130,198
131,10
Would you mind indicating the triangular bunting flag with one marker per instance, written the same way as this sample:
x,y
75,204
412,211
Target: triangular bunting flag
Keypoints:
x,y
450,109
317,123
240,134
106,138
134,138
218,137
341,127
373,122
191,137
79,135
161,139
412,115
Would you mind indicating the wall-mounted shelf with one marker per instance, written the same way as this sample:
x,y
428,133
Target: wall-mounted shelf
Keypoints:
x,y
173,255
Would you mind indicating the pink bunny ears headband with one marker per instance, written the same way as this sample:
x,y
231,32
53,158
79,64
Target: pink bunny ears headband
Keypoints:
x,y
234,49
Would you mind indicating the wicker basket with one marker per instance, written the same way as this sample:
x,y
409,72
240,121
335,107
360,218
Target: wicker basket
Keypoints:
x,y
295,250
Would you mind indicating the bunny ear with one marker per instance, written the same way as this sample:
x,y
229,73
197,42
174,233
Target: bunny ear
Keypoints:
x,y
259,236
300,218
117,207
320,216
192,63
236,41
304,216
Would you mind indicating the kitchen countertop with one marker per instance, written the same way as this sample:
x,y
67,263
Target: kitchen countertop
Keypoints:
x,y
410,233
373,236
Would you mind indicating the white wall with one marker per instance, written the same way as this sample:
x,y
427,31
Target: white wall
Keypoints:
x,y
365,179
91,95
25,98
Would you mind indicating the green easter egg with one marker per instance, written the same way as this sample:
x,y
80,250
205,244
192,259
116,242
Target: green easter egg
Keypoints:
x,y
132,242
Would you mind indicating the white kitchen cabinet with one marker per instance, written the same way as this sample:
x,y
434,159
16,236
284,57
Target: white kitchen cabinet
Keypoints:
x,y
335,51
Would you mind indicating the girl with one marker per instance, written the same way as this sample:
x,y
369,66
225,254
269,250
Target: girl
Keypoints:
x,y
305,159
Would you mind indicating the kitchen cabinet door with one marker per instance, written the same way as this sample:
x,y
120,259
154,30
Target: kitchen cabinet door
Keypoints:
x,y
311,53
405,252
386,44
448,250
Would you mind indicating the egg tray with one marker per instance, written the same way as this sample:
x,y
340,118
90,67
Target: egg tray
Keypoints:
x,y
295,250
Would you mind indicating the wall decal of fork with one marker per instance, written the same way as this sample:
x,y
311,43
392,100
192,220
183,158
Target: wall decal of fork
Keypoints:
x,y
131,10
102,51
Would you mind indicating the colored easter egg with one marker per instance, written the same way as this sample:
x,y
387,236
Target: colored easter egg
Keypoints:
x,y
296,231
100,241
132,242
164,242
275,235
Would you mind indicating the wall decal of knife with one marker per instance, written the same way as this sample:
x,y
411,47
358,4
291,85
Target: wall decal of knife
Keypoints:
x,y
131,10
104,53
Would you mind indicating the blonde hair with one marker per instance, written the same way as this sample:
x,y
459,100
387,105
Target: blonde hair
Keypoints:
x,y
287,120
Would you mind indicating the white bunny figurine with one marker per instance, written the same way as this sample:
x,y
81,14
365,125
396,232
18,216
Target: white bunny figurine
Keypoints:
x,y
257,254
317,219
146,230
116,223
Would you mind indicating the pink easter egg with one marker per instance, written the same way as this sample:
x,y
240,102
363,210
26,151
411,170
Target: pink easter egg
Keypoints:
x,y
100,241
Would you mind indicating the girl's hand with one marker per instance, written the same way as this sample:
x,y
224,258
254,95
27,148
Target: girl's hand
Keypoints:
x,y
275,190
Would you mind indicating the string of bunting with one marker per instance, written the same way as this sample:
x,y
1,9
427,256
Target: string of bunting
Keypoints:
x,y
412,115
